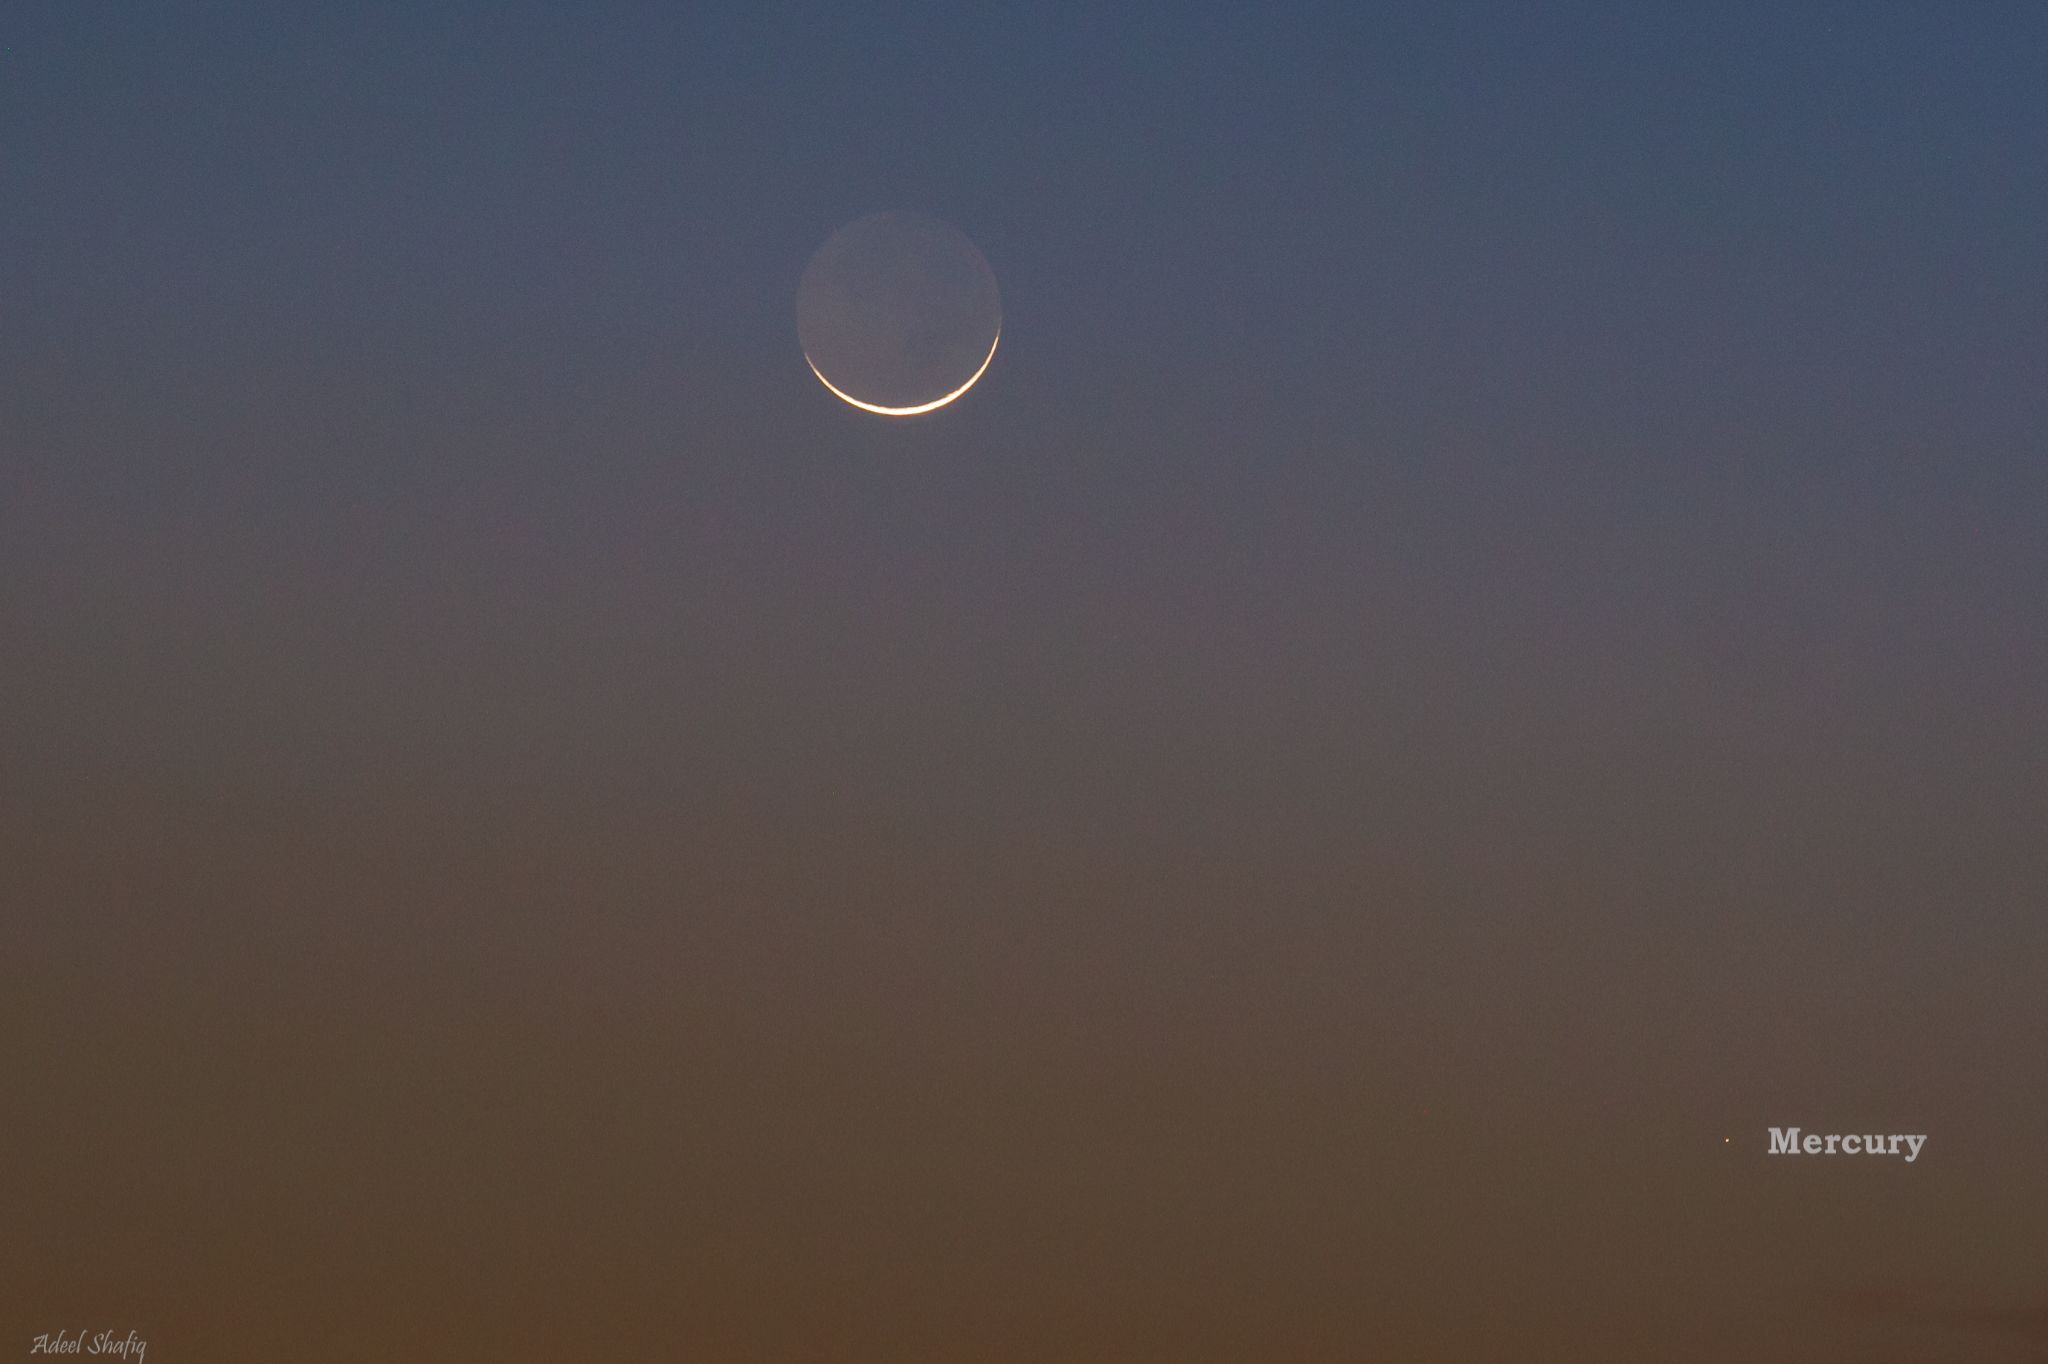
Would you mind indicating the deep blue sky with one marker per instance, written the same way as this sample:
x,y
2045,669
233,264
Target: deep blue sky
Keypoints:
x,y
1484,631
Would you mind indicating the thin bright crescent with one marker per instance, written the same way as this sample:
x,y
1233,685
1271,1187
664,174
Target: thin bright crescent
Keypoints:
x,y
921,407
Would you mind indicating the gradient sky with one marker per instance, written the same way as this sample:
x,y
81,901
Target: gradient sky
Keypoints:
x,y
1486,632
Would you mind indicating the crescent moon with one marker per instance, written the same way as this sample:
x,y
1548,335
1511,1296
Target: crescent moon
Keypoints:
x,y
932,406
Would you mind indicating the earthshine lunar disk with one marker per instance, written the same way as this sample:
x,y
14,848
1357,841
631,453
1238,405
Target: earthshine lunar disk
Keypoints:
x,y
898,314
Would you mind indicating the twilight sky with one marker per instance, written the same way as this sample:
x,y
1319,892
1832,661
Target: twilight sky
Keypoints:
x,y
1483,641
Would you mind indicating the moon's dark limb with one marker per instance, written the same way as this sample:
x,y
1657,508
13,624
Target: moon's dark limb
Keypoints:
x,y
898,312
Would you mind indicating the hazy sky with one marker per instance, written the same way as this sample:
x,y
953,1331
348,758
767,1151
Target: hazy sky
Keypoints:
x,y
1486,631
